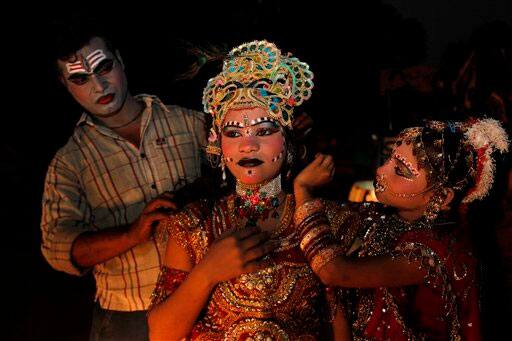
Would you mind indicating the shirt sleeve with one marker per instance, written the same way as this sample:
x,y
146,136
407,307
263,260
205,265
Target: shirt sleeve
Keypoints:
x,y
198,120
65,215
200,128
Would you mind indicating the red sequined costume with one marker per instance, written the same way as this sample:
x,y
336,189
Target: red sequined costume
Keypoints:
x,y
444,307
285,301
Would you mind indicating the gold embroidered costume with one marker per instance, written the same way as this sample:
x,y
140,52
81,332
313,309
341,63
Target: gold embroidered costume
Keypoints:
x,y
284,301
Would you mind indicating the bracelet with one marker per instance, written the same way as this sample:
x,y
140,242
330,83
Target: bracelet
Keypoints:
x,y
325,256
307,209
303,227
312,234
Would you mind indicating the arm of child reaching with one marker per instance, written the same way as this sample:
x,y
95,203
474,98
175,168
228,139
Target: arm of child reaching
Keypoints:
x,y
326,257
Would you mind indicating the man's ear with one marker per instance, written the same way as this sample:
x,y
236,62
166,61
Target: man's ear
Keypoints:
x,y
118,57
449,194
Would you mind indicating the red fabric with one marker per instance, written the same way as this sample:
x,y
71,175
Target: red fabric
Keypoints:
x,y
422,307
172,279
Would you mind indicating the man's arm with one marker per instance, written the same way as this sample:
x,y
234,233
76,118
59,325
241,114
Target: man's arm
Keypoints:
x,y
70,241
95,247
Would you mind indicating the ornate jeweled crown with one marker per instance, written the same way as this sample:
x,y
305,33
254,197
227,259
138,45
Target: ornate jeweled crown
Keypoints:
x,y
257,74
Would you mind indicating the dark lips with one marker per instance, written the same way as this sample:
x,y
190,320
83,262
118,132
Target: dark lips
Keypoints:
x,y
249,163
106,99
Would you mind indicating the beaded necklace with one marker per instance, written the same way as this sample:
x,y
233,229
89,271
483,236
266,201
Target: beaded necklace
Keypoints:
x,y
258,201
383,228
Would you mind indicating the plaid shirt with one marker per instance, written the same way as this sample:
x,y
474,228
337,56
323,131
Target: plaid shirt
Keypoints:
x,y
100,180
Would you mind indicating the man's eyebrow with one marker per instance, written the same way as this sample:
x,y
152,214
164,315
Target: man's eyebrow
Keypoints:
x,y
102,63
77,75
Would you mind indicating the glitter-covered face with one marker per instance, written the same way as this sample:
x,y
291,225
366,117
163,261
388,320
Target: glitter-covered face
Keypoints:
x,y
399,183
95,79
253,145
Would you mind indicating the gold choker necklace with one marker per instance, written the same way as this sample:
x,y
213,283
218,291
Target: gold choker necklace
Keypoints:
x,y
271,188
258,201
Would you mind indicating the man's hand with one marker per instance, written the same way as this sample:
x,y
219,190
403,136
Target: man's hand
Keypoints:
x,y
95,247
155,212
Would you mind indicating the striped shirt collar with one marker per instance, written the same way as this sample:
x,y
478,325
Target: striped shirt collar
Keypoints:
x,y
148,101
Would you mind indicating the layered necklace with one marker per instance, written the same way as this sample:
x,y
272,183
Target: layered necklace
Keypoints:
x,y
383,227
258,201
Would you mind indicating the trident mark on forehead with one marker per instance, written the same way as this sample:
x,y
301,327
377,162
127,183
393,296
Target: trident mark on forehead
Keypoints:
x,y
87,64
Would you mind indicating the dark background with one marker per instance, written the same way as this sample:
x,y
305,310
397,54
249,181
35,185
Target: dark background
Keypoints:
x,y
346,44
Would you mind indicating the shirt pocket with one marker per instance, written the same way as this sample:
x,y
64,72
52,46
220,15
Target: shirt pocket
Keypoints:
x,y
175,147
178,159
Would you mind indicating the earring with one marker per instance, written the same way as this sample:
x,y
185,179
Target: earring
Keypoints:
x,y
213,151
288,176
304,152
223,168
434,205
289,158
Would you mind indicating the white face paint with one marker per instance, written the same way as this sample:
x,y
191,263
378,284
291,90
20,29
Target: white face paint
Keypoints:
x,y
88,64
278,157
281,153
248,125
96,79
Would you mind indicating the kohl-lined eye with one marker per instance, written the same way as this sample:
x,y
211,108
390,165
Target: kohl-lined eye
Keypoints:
x,y
403,172
104,67
231,133
79,79
398,171
266,131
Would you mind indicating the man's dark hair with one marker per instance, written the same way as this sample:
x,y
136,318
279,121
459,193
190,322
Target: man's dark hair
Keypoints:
x,y
73,33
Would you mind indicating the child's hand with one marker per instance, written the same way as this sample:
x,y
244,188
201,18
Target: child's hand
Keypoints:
x,y
318,173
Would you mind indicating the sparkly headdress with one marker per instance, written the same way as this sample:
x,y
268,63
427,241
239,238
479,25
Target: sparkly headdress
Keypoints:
x,y
485,136
443,147
256,74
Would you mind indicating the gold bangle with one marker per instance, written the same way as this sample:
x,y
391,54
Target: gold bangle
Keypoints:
x,y
306,209
311,235
325,256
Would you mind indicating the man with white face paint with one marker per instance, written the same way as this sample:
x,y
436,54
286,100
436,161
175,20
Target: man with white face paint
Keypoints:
x,y
109,186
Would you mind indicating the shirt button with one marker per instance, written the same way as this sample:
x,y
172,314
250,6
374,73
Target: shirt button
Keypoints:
x,y
142,155
153,186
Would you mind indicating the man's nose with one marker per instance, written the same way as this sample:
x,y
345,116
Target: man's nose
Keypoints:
x,y
99,83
